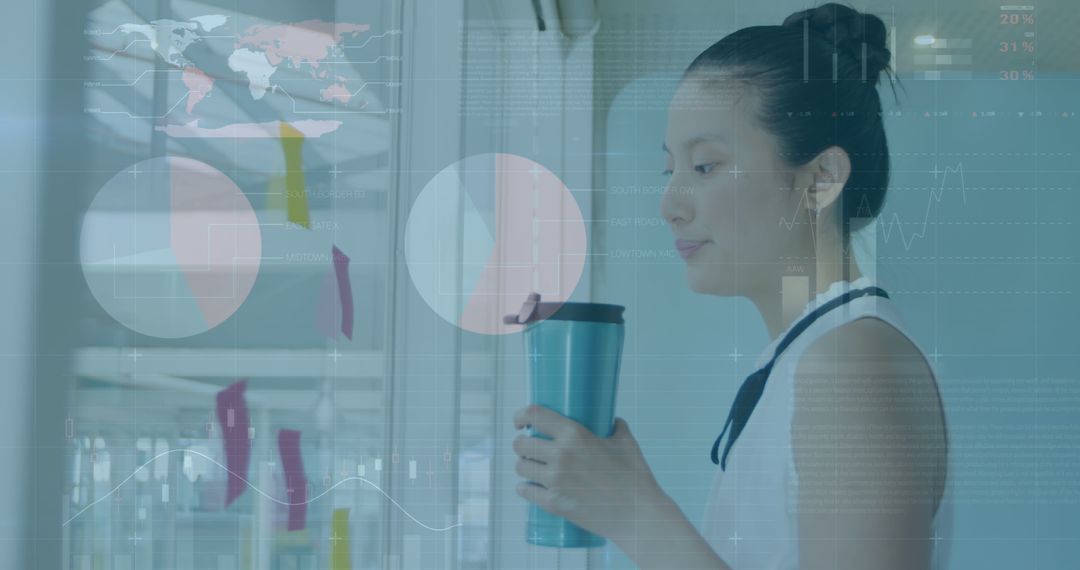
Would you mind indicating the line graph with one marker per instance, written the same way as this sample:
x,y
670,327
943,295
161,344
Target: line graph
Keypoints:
x,y
935,196
790,223
258,490
894,222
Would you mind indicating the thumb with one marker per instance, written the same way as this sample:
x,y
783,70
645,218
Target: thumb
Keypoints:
x,y
621,430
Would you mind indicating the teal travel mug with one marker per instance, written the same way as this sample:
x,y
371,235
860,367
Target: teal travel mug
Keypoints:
x,y
573,352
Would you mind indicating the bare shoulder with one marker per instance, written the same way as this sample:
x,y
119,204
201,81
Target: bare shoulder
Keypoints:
x,y
871,358
867,415
867,340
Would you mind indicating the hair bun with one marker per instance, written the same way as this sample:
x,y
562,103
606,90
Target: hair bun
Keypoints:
x,y
848,29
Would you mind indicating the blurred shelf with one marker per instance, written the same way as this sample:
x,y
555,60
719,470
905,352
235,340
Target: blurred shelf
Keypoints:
x,y
109,362
213,516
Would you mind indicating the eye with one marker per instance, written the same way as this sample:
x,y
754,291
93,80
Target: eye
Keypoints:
x,y
705,168
667,172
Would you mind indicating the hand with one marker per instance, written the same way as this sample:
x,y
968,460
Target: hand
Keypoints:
x,y
601,484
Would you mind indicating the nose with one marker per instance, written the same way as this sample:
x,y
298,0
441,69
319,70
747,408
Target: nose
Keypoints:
x,y
675,205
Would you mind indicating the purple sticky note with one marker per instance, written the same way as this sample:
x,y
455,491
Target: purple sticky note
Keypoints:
x,y
295,480
232,414
341,268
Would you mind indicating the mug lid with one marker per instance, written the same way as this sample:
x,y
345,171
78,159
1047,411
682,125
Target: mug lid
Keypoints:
x,y
533,311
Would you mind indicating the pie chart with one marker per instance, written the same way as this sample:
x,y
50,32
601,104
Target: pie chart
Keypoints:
x,y
170,247
487,231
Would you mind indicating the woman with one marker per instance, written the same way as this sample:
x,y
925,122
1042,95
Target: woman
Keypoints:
x,y
834,454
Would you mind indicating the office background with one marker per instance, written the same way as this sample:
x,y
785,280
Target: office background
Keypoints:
x,y
977,244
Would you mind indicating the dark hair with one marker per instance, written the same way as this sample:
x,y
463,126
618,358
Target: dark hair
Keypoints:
x,y
806,106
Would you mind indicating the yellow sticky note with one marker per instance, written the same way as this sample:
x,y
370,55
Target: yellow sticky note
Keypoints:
x,y
339,541
292,142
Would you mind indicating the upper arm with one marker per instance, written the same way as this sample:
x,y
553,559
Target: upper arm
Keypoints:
x,y
869,447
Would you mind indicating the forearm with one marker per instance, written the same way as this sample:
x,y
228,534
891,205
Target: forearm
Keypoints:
x,y
662,538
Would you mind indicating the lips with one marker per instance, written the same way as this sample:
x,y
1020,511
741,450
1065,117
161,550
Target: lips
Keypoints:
x,y
688,247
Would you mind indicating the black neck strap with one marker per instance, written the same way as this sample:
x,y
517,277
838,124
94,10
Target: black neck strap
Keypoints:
x,y
750,392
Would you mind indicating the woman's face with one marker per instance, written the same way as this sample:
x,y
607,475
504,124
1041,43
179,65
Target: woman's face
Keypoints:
x,y
729,198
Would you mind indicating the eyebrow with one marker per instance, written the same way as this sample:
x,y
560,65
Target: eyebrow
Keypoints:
x,y
695,140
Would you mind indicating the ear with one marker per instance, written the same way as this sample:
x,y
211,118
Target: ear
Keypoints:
x,y
824,177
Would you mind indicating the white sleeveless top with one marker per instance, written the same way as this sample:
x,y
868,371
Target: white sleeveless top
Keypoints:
x,y
751,517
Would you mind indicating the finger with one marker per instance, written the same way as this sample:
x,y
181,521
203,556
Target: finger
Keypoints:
x,y
621,429
536,494
546,421
542,450
533,471
622,436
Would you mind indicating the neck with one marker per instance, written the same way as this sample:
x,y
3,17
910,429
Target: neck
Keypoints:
x,y
779,308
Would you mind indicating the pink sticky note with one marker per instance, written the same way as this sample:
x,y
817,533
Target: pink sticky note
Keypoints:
x,y
341,268
232,414
295,480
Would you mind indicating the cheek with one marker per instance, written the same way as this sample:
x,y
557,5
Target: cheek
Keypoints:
x,y
722,209
758,216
